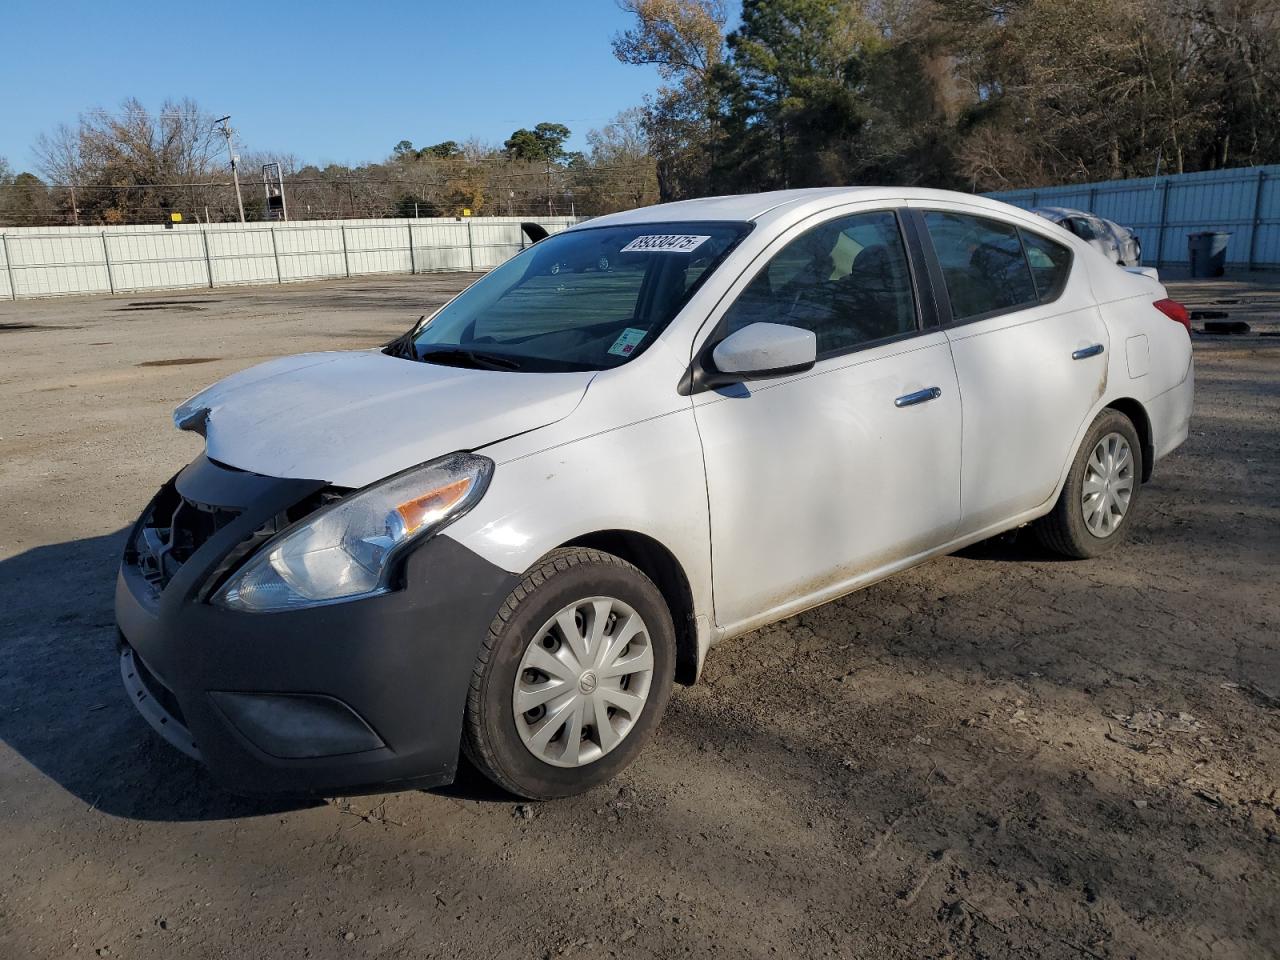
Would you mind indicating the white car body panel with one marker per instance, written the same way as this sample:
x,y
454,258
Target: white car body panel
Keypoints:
x,y
1025,397
818,479
774,495
350,418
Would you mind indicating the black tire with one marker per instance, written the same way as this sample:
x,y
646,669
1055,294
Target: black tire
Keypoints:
x,y
490,739
1064,530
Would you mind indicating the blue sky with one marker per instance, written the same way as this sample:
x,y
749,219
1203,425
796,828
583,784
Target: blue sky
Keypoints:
x,y
327,82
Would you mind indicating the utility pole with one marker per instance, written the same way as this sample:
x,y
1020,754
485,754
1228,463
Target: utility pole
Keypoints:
x,y
226,132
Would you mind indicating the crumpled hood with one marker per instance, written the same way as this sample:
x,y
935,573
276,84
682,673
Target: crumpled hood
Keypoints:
x,y
350,418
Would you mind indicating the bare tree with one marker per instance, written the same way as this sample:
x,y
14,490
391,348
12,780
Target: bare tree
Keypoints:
x,y
131,163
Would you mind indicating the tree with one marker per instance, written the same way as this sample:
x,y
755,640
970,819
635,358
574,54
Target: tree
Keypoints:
x,y
24,200
445,150
133,164
618,171
794,111
685,40
543,144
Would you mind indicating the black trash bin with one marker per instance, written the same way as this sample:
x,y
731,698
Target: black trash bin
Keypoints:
x,y
1207,252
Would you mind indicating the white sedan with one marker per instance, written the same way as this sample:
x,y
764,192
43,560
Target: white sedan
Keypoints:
x,y
512,529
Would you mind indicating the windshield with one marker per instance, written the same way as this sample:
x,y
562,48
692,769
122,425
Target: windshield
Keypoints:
x,y
586,299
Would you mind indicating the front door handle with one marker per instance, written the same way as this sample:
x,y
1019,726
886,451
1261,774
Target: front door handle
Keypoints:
x,y
1085,353
920,396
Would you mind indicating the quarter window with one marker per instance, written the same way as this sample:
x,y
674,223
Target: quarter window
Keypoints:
x,y
982,261
847,280
1050,265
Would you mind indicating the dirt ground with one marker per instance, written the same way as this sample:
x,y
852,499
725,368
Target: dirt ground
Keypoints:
x,y
995,755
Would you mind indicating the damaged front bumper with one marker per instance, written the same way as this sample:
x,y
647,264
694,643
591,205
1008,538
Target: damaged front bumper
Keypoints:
x,y
337,698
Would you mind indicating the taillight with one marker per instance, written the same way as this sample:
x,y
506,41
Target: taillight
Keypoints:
x,y
1175,312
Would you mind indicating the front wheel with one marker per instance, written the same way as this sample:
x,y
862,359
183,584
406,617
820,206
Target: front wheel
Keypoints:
x,y
1097,502
573,677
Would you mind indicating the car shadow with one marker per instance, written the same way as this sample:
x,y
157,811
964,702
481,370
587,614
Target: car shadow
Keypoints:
x,y
1015,546
64,710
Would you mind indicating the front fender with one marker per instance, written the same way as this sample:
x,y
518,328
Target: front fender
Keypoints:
x,y
646,477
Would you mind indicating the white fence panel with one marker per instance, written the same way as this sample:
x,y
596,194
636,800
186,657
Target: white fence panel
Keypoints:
x,y
163,260
55,261
494,243
378,249
310,253
441,245
41,265
241,256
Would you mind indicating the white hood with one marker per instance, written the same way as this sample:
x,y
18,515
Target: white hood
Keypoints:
x,y
355,417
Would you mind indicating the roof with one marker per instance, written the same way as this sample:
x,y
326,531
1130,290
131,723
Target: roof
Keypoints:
x,y
778,203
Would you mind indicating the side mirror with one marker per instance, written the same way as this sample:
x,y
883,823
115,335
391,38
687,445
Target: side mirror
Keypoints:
x,y
761,350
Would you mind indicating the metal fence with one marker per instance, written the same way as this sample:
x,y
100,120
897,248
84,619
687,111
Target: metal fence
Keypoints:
x,y
1244,202
55,261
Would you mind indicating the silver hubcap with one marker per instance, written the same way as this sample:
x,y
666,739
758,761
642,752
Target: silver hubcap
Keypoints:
x,y
583,682
1108,485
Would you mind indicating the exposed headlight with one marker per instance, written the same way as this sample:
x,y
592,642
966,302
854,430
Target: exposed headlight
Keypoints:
x,y
346,550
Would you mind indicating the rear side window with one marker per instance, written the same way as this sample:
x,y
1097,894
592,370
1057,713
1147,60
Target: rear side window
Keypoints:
x,y
1050,265
983,264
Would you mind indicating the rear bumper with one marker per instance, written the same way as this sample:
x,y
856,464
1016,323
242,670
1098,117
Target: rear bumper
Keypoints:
x,y
1170,414
342,698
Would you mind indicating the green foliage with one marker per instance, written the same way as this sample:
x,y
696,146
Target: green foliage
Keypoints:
x,y
24,199
543,144
983,94
445,150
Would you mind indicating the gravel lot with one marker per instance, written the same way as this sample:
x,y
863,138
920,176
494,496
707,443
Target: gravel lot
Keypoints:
x,y
994,755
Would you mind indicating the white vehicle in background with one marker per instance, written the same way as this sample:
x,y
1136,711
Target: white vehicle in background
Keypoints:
x,y
512,529
1118,244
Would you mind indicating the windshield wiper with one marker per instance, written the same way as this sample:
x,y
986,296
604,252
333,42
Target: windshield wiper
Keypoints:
x,y
403,346
461,357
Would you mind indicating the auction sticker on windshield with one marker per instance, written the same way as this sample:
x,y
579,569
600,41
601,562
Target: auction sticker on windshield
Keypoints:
x,y
664,243
626,342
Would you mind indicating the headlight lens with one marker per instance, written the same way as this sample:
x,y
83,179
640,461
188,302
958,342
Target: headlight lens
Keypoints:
x,y
346,550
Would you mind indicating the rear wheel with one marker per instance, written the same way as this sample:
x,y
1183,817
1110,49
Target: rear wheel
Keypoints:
x,y
1097,502
573,676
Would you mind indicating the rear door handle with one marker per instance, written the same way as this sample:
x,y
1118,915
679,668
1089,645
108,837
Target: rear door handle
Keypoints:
x,y
1084,353
920,396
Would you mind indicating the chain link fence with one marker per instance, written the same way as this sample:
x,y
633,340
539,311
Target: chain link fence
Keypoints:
x,y
58,261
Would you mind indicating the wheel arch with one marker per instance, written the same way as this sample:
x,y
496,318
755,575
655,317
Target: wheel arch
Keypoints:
x,y
1137,414
660,565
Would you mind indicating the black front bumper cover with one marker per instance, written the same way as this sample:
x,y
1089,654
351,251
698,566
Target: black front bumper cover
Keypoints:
x,y
339,698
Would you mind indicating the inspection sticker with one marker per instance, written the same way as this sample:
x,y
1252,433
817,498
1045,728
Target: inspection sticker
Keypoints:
x,y
664,243
627,341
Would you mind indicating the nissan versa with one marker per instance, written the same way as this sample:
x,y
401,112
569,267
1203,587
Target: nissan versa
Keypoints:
x,y
509,531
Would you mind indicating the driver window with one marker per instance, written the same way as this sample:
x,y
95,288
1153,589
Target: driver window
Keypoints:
x,y
847,280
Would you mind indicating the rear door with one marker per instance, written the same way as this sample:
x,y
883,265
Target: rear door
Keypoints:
x,y
1029,346
819,479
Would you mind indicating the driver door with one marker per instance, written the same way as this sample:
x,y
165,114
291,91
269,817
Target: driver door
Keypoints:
x,y
822,480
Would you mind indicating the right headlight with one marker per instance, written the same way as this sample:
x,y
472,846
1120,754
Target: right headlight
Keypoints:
x,y
347,550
